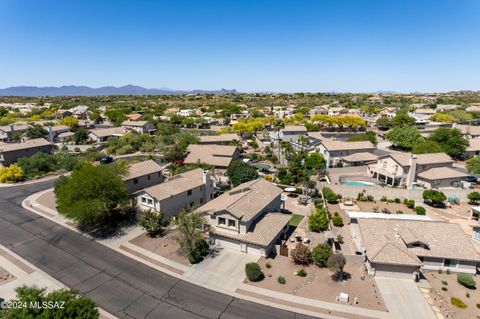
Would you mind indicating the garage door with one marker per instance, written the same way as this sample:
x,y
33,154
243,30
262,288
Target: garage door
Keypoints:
x,y
254,250
227,244
394,271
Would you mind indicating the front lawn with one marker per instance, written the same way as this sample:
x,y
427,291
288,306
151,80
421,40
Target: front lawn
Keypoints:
x,y
295,220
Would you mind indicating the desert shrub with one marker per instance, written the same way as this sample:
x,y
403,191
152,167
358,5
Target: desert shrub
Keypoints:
x,y
370,198
384,199
467,295
399,212
420,210
302,273
321,253
444,288
478,305
466,280
410,203
301,255
445,283
268,265
253,272
318,221
340,239
281,280
329,195
397,200
458,302
337,220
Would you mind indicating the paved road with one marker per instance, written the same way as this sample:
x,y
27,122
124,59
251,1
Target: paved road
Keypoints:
x,y
118,284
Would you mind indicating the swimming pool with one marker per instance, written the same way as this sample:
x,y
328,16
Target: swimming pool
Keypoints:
x,y
358,183
262,166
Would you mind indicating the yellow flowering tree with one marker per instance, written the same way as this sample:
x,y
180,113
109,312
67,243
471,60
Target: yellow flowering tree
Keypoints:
x,y
11,174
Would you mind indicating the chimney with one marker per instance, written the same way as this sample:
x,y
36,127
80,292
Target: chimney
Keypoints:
x,y
50,134
412,171
208,184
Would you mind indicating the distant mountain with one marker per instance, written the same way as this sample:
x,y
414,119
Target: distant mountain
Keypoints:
x,y
72,90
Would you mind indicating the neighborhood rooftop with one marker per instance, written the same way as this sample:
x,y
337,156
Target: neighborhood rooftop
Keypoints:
x,y
143,168
177,184
9,147
336,145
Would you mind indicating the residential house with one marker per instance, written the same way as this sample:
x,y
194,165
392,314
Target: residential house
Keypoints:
x,y
81,112
335,150
473,149
468,131
323,109
422,115
55,131
401,248
375,99
336,111
186,112
184,191
143,174
359,159
401,169
139,127
389,112
10,152
447,107
219,139
134,116
8,132
219,156
64,113
473,108
100,135
291,133
247,218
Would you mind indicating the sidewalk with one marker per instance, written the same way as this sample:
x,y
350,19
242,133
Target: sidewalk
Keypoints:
x,y
25,273
210,280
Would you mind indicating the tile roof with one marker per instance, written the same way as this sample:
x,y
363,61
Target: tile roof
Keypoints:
x,y
38,142
468,129
176,185
360,157
219,138
142,169
104,132
16,128
337,145
134,123
438,173
294,128
216,155
244,201
474,145
262,234
425,111
443,239
422,159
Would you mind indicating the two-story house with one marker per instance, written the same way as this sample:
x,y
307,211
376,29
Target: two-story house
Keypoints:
x,y
143,174
291,133
247,218
8,132
431,170
335,150
139,127
183,191
218,156
100,135
219,139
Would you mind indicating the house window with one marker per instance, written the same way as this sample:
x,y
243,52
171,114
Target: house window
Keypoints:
x,y
135,180
231,223
449,263
221,221
148,176
201,200
143,200
159,174
191,204
189,193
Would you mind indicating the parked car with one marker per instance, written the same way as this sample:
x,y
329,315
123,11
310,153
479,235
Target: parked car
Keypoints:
x,y
106,159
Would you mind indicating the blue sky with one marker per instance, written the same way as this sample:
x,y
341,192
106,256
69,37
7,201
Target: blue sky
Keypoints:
x,y
250,45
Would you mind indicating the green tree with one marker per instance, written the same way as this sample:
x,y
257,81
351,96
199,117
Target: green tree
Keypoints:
x,y
315,161
152,222
73,304
452,141
434,197
473,165
402,119
80,136
190,235
321,253
284,176
36,131
91,195
427,146
367,136
384,123
474,197
239,172
403,136
318,221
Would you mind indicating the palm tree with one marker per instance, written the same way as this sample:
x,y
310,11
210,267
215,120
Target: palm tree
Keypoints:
x,y
278,125
303,141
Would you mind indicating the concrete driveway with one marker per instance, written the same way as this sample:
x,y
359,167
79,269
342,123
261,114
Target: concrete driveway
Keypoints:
x,y
225,271
404,299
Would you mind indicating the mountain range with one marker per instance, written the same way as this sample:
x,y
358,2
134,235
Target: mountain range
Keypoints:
x,y
73,90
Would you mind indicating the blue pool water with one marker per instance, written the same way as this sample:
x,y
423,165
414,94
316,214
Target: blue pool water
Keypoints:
x,y
358,183
262,166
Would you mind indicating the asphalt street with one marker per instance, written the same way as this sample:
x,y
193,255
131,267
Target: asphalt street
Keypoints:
x,y
118,284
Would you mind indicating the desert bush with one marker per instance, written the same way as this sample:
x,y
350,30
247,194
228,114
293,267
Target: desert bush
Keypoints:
x,y
268,265
397,200
302,273
466,280
337,220
281,280
458,302
444,288
301,255
253,272
321,253
420,210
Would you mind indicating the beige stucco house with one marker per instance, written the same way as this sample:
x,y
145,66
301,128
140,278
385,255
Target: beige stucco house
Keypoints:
x,y
247,218
183,191
334,150
143,174
219,156
401,247
10,152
